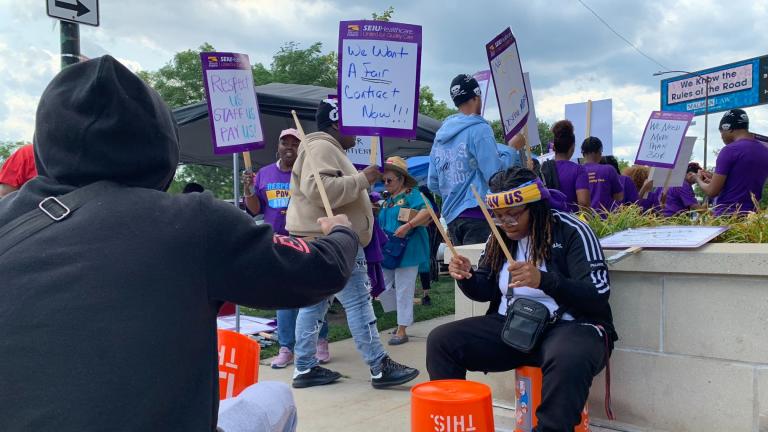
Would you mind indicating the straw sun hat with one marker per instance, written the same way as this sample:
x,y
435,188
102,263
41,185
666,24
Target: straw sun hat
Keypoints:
x,y
398,165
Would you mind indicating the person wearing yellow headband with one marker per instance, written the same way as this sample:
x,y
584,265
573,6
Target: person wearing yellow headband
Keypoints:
x,y
558,262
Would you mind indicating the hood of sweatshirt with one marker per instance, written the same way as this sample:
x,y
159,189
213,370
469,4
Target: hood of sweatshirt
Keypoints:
x,y
97,120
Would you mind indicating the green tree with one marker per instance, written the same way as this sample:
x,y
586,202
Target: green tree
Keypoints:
x,y
545,134
385,16
292,65
180,81
7,148
429,106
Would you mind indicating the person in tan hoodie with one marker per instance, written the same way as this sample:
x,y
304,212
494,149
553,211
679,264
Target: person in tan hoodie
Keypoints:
x,y
347,192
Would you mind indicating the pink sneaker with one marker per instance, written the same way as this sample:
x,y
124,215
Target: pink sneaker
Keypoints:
x,y
322,354
283,359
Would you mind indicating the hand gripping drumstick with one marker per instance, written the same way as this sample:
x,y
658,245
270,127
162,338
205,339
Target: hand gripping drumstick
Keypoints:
x,y
439,226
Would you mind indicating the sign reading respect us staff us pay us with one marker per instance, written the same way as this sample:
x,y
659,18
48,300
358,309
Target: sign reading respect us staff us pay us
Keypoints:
x,y
379,71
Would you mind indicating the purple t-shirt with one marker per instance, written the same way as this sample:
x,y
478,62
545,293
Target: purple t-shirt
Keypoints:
x,y
273,188
603,183
630,190
572,177
745,163
679,199
652,201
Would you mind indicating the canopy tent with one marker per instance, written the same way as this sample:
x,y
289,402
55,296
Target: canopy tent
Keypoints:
x,y
275,104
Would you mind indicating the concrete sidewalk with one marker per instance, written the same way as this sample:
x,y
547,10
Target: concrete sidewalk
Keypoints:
x,y
352,405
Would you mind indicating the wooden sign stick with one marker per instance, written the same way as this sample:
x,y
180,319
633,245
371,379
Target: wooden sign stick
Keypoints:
x,y
588,129
495,230
650,176
439,226
313,169
374,150
529,162
247,160
623,254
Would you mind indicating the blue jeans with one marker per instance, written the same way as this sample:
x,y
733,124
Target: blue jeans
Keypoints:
x,y
356,300
286,328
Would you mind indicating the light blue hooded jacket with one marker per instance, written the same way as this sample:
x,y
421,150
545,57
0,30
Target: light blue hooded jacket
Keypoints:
x,y
465,153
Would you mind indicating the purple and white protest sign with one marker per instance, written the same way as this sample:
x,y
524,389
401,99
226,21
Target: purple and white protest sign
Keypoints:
x,y
507,74
379,70
233,110
484,80
360,154
663,138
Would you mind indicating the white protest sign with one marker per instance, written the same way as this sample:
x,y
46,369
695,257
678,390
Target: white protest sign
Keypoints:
x,y
676,177
360,154
484,81
662,139
546,156
673,237
592,118
233,110
507,73
534,140
379,68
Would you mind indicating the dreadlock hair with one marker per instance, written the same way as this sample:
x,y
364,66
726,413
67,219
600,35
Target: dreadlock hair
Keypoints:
x,y
540,228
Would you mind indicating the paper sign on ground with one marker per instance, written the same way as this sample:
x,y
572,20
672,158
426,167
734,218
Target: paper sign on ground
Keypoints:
x,y
673,237
534,140
360,154
507,74
484,80
248,324
663,138
233,110
600,124
677,177
379,69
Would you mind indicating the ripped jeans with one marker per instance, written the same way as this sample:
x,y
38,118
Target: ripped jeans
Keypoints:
x,y
356,299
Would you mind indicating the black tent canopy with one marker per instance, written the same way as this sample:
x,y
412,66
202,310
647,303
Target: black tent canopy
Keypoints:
x,y
275,104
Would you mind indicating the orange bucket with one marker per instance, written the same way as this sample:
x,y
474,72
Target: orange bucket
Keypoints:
x,y
451,406
528,399
238,363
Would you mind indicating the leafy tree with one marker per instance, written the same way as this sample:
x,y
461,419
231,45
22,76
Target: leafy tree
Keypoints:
x,y
429,106
180,81
7,148
385,16
545,134
292,65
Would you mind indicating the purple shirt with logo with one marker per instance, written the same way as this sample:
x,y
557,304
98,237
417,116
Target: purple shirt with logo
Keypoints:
x,y
679,199
630,190
603,183
273,188
572,177
745,164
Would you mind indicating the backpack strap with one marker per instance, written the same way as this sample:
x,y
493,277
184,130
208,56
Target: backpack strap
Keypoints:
x,y
49,211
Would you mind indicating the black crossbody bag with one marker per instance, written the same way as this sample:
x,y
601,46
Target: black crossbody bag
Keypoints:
x,y
525,323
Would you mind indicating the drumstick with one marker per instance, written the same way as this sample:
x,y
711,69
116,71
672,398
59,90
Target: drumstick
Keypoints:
x,y
439,226
495,230
315,173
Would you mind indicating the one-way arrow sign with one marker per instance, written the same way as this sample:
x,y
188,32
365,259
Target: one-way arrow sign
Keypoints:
x,y
76,11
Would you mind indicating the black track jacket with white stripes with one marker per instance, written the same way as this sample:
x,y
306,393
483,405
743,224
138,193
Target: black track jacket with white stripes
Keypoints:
x,y
576,276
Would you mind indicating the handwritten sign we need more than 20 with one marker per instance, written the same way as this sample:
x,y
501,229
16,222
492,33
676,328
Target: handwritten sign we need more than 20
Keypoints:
x,y
662,139
233,110
379,68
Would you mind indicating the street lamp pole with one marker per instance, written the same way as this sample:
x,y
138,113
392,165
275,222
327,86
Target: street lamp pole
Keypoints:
x,y
706,104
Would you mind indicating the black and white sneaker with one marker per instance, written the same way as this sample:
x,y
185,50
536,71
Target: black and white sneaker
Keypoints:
x,y
392,373
316,376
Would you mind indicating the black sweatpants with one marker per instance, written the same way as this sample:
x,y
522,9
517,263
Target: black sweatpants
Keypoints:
x,y
569,355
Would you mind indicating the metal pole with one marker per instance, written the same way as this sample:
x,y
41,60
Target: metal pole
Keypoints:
x,y
70,43
236,189
706,118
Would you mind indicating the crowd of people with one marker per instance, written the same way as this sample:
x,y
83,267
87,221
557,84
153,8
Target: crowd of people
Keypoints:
x,y
128,279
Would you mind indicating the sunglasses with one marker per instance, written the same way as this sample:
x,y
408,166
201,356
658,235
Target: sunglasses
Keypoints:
x,y
389,180
508,219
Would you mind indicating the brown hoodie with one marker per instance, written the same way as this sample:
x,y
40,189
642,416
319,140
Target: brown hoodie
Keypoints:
x,y
347,189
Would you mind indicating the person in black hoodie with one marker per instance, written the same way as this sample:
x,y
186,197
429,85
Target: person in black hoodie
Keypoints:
x,y
559,263
109,315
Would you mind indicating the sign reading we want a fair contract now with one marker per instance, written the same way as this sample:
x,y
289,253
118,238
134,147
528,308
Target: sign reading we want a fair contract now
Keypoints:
x,y
379,69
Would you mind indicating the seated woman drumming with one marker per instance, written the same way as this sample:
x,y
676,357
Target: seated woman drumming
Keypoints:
x,y
558,263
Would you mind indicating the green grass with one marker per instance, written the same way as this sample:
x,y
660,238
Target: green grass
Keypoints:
x,y
442,295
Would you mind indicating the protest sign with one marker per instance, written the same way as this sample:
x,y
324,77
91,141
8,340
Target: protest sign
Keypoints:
x,y
546,156
663,138
233,110
532,126
508,81
484,80
360,154
676,176
379,69
672,237
592,118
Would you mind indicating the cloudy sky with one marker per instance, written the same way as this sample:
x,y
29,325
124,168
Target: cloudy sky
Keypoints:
x,y
570,55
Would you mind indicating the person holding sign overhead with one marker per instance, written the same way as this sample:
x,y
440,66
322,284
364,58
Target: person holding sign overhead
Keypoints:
x,y
558,263
742,167
604,184
465,153
563,174
347,192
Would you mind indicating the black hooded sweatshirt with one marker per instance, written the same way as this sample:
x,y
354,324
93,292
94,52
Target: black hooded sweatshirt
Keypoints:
x,y
108,318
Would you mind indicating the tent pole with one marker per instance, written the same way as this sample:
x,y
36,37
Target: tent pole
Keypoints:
x,y
236,189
